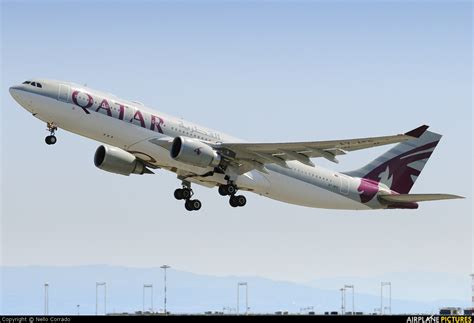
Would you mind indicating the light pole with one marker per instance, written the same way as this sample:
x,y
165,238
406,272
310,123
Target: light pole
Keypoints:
x,y
352,287
246,297
343,300
164,267
97,284
46,298
472,295
78,306
144,287
389,284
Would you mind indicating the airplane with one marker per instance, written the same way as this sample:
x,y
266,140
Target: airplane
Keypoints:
x,y
138,140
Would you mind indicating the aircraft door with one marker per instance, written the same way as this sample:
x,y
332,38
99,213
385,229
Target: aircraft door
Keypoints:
x,y
63,93
344,185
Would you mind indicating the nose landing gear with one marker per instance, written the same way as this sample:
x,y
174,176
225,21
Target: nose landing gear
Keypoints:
x,y
51,139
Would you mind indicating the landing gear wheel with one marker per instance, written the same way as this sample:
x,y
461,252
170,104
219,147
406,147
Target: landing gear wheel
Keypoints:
x,y
223,190
186,193
178,194
229,189
196,204
237,201
188,205
50,140
233,201
192,205
241,200
182,194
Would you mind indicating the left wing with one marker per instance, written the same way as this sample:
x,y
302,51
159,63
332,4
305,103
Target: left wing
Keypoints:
x,y
247,156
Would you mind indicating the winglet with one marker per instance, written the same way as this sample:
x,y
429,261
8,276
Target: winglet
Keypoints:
x,y
417,132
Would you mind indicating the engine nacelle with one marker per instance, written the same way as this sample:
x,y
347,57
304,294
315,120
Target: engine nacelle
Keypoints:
x,y
118,161
194,152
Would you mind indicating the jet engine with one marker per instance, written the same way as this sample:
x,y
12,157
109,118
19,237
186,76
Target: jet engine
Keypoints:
x,y
118,161
194,152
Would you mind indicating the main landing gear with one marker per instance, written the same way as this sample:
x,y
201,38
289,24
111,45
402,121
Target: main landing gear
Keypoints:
x,y
230,190
186,193
51,139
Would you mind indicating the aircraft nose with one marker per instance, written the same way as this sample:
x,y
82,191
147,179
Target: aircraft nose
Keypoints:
x,y
18,94
14,90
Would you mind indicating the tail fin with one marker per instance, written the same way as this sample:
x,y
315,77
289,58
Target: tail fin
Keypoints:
x,y
400,167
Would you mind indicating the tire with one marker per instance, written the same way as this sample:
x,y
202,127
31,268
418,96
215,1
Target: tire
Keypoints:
x,y
231,189
186,193
188,206
241,200
223,190
233,201
178,194
196,204
50,140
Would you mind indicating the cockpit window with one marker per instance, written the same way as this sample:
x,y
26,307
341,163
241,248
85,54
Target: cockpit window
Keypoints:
x,y
33,84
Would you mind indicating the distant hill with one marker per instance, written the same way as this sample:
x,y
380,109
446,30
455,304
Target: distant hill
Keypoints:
x,y
22,292
420,286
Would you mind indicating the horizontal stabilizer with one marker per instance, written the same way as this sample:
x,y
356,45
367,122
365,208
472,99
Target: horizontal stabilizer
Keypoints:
x,y
410,198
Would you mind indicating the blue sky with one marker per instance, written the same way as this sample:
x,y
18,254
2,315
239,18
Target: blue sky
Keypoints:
x,y
261,71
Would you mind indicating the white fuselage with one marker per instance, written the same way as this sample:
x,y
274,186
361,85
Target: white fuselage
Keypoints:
x,y
133,127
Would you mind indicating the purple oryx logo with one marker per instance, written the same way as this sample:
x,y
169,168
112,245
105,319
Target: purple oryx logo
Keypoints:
x,y
198,151
398,173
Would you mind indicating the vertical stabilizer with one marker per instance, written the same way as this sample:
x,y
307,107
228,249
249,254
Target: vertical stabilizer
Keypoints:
x,y
400,167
